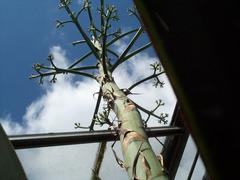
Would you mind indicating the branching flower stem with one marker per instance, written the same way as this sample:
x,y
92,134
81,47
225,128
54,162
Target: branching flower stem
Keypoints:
x,y
84,68
149,112
127,57
80,59
62,71
107,45
113,53
140,160
124,53
138,33
92,26
144,80
91,127
121,36
80,29
104,39
79,12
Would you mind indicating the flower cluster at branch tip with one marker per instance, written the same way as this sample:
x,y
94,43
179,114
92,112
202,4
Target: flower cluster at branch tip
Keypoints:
x,y
157,68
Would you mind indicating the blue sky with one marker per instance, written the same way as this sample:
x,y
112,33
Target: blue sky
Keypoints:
x,y
27,35
27,32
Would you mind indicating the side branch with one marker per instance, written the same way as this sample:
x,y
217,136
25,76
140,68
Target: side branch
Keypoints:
x,y
84,68
56,71
80,59
113,53
75,72
80,29
145,79
92,26
96,109
80,11
161,119
78,42
138,33
136,52
61,23
121,36
105,19
120,61
104,39
102,16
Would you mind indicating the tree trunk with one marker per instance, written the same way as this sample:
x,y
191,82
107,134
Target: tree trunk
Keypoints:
x,y
139,159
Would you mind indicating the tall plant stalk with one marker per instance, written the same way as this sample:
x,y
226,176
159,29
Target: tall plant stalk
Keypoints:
x,y
140,161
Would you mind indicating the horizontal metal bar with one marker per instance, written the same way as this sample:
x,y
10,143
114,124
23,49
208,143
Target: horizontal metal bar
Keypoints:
x,y
68,138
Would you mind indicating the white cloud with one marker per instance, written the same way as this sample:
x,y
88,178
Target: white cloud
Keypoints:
x,y
61,107
67,102
80,1
10,126
59,55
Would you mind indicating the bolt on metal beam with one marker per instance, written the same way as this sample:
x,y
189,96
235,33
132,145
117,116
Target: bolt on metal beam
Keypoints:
x,y
70,138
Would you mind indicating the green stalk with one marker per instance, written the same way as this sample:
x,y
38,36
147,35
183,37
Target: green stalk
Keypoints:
x,y
139,159
98,161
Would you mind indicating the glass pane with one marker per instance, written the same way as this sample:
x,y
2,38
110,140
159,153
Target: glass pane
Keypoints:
x,y
62,162
199,170
186,163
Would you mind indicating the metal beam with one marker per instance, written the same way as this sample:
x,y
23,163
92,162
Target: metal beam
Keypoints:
x,y
68,138
174,146
198,49
193,166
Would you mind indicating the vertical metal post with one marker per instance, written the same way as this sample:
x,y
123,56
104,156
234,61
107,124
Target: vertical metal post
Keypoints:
x,y
199,59
193,166
174,145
